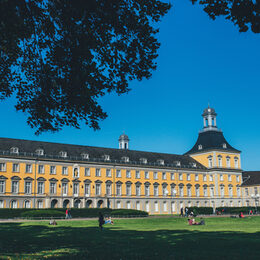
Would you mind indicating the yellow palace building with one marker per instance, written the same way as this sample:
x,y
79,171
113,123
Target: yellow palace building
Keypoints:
x,y
37,174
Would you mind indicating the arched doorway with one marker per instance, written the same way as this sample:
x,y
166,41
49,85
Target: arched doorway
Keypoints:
x,y
99,204
77,203
13,204
88,203
54,203
66,204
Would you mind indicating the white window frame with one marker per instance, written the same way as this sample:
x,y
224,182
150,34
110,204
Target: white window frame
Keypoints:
x,y
108,172
180,176
16,167
15,186
41,169
128,174
188,177
98,172
52,169
2,186
146,175
40,187
138,190
172,176
2,167
98,188
64,188
65,170
75,189
53,188
156,190
196,177
155,175
27,187
87,171
147,190
164,176
137,174
87,189
128,189
28,168
118,173
118,189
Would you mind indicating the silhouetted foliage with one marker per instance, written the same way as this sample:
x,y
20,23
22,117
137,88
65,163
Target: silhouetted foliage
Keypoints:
x,y
59,57
243,13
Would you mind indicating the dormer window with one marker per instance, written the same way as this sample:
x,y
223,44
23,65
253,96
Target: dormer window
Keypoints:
x,y
106,157
177,163
63,154
224,145
160,161
39,151
14,150
200,147
143,160
85,156
194,165
125,159
210,161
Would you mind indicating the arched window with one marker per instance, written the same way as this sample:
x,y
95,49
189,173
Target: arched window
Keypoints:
x,y
14,204
27,204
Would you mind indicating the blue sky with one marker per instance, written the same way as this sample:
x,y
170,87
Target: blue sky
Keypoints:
x,y
199,61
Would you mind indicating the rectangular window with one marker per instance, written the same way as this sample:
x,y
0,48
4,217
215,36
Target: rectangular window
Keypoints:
x,y
147,190
137,190
246,191
65,170
238,178
210,162
221,177
236,163
28,187
219,161
204,177
155,190
52,169
98,188
228,162
146,175
87,189
205,191
15,186
40,188
28,168
196,177
189,191
75,189
108,172
172,176
211,191
98,174
188,177
156,208
15,167
180,177
2,186
87,172
173,191
128,189
64,189
118,173
181,191
53,188
2,167
222,194
118,189
128,174
230,191
229,178
238,191
155,175
165,191
108,189
197,191
137,174
164,175
41,169
210,177
255,188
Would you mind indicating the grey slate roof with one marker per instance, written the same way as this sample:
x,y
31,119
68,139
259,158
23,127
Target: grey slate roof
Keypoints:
x,y
251,178
211,140
27,148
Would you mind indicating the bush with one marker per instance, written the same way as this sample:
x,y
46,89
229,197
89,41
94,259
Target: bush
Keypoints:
x,y
128,212
201,210
75,213
236,210
38,213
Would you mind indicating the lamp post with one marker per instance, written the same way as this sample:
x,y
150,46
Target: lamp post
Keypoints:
x,y
256,198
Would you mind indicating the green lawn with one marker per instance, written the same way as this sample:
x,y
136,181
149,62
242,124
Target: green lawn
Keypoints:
x,y
149,238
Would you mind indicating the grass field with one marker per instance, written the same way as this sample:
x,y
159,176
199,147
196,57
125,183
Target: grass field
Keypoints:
x,y
148,238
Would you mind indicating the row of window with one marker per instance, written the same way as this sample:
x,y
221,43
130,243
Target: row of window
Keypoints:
x,y
129,205
87,189
228,161
65,171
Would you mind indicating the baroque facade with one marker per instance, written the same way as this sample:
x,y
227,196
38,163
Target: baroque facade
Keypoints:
x,y
37,174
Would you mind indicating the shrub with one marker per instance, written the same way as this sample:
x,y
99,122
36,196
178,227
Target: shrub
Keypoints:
x,y
236,210
201,210
128,212
38,213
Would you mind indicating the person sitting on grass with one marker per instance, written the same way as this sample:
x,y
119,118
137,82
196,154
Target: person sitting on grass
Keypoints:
x,y
109,221
241,215
192,221
202,222
53,222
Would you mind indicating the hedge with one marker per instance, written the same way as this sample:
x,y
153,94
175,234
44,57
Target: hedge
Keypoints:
x,y
75,213
236,210
201,210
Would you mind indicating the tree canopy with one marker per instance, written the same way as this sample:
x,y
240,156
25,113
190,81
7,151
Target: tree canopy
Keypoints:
x,y
243,13
58,57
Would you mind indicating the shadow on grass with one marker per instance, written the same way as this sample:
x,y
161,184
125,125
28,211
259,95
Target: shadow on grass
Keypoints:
x,y
60,242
